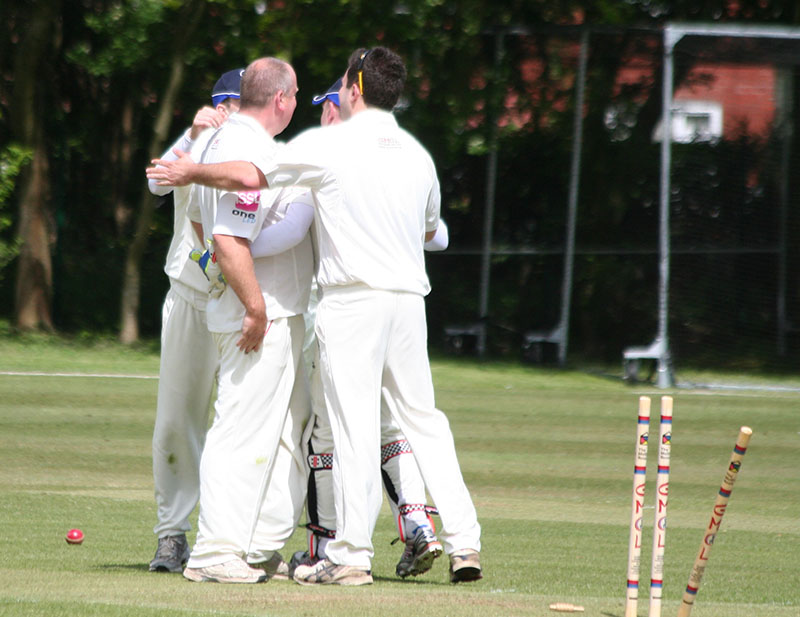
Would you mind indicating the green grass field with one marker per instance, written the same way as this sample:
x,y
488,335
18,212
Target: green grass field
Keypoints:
x,y
548,457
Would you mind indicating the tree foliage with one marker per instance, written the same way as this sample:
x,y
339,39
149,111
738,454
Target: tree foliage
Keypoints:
x,y
124,77
12,159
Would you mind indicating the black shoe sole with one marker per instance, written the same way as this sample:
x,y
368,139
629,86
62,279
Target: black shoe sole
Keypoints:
x,y
466,575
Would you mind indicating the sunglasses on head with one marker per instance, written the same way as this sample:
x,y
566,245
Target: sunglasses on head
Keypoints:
x,y
360,69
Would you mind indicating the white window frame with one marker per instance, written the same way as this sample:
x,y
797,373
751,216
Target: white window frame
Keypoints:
x,y
683,111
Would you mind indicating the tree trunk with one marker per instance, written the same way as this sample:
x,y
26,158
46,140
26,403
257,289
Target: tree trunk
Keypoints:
x,y
131,283
34,291
122,159
132,277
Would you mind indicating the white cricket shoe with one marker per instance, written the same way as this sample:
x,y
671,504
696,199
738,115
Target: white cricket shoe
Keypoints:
x,y
465,566
274,567
326,572
235,570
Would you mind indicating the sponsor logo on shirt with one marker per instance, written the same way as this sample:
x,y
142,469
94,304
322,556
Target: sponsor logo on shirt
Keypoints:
x,y
388,142
248,201
247,217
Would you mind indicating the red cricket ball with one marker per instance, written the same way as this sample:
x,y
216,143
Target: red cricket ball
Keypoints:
x,y
74,536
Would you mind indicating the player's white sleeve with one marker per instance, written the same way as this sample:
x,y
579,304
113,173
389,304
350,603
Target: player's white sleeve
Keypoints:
x,y
434,205
296,163
239,213
284,234
184,143
440,240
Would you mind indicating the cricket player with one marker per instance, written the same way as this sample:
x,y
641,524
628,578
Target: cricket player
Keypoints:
x,y
188,355
401,478
257,325
377,200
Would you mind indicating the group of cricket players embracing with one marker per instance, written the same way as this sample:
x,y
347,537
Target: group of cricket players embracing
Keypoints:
x,y
296,301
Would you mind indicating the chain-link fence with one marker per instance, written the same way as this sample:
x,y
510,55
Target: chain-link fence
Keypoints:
x,y
595,236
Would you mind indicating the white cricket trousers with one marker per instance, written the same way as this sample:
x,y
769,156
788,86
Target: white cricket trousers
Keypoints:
x,y
255,394
286,491
185,384
374,342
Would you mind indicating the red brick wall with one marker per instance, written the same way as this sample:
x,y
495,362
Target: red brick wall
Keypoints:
x,y
747,93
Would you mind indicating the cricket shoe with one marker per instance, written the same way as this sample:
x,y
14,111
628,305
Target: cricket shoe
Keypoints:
x,y
326,572
302,558
171,555
419,553
465,566
234,571
275,567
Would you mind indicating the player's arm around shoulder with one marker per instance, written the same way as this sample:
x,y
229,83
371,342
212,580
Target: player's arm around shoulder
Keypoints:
x,y
205,118
304,161
230,175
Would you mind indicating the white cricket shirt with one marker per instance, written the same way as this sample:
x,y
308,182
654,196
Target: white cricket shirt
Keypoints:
x,y
285,279
376,193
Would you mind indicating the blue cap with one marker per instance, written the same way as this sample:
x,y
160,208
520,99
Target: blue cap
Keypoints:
x,y
227,87
331,95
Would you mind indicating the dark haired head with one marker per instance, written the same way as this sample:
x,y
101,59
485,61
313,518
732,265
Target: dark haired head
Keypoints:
x,y
383,76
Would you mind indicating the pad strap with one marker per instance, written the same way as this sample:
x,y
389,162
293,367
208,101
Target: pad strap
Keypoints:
x,y
407,508
319,462
319,530
390,450
413,507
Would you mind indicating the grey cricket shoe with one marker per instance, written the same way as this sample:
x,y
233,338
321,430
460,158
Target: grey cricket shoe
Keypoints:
x,y
419,554
326,572
171,555
465,566
275,567
234,571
